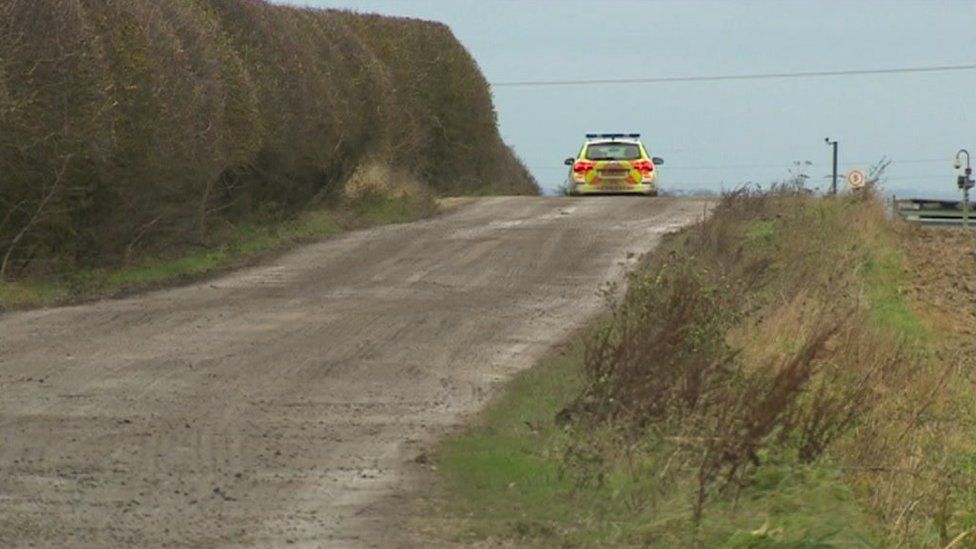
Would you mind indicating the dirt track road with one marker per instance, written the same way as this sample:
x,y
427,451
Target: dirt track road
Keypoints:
x,y
277,405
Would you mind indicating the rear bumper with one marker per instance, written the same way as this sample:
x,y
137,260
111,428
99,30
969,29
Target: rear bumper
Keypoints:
x,y
643,188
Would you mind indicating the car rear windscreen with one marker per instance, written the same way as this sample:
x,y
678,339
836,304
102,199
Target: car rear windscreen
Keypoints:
x,y
613,151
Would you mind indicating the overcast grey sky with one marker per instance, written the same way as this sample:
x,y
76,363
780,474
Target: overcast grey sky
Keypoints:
x,y
715,134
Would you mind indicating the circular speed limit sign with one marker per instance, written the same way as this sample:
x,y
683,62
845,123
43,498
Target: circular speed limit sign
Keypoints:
x,y
856,179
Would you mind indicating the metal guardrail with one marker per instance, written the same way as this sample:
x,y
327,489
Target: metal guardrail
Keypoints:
x,y
942,212
933,212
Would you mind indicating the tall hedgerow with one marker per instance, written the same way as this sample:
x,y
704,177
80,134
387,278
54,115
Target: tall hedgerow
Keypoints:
x,y
135,126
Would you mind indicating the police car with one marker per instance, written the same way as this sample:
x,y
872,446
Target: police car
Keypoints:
x,y
614,163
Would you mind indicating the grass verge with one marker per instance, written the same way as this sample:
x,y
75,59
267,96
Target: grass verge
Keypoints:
x,y
764,382
507,481
242,245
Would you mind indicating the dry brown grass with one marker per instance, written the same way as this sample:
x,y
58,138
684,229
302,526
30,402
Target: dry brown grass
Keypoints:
x,y
167,119
779,327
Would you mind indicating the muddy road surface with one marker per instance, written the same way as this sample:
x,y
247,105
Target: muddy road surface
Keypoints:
x,y
276,406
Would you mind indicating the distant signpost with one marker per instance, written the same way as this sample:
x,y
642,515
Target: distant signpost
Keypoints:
x,y
856,180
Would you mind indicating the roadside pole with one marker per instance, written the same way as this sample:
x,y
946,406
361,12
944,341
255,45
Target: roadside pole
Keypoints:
x,y
965,207
833,185
964,182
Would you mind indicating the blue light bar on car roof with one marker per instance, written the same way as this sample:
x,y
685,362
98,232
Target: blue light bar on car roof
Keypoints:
x,y
612,135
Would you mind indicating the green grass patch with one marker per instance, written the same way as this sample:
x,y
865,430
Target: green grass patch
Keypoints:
x,y
31,293
380,210
761,232
243,245
506,480
152,272
881,271
505,474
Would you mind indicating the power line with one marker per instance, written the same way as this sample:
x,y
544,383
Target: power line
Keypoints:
x,y
781,165
812,164
945,160
759,76
736,166
947,177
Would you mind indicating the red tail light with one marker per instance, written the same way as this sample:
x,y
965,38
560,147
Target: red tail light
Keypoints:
x,y
644,166
583,166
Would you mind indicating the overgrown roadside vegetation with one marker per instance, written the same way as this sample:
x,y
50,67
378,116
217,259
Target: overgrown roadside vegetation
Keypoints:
x,y
132,130
240,245
773,377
